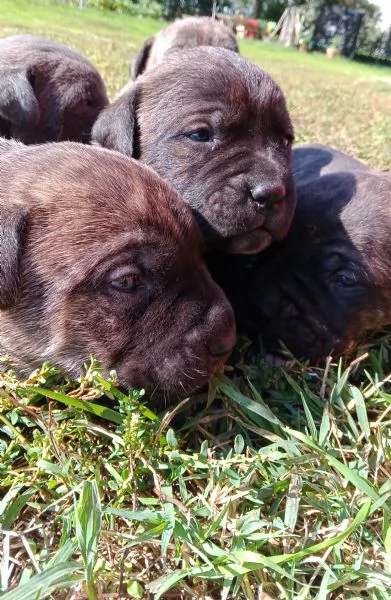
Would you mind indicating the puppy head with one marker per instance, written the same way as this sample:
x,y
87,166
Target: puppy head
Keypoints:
x,y
324,286
180,35
109,265
216,127
48,92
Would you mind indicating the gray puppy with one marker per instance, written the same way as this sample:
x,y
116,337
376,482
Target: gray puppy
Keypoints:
x,y
48,92
100,256
185,33
328,282
217,128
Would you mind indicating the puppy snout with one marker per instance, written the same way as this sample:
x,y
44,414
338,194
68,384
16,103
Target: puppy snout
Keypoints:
x,y
222,332
268,197
221,345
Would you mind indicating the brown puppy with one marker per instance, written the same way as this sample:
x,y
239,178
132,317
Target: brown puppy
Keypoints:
x,y
100,256
216,127
185,33
48,92
328,283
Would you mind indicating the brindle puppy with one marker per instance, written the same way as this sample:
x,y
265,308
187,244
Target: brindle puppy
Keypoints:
x,y
328,283
185,33
48,92
100,256
216,127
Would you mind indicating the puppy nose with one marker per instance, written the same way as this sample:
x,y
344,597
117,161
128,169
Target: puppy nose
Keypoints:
x,y
268,197
223,344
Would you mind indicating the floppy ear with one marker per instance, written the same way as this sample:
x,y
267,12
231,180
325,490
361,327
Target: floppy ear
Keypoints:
x,y
139,61
12,226
116,126
18,103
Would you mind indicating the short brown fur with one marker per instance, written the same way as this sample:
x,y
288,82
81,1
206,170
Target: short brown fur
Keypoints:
x,y
78,223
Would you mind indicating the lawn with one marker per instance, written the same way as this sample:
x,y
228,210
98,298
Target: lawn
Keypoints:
x,y
276,481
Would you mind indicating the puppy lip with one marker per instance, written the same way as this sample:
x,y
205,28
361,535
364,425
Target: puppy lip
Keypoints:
x,y
251,242
220,358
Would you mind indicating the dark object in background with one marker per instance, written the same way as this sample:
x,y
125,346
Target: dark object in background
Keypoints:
x,y
376,51
338,23
48,92
99,256
216,127
329,281
181,35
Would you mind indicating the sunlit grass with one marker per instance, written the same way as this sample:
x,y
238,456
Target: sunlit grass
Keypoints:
x,y
280,481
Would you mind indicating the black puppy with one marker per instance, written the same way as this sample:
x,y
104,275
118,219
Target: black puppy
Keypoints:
x,y
329,281
48,92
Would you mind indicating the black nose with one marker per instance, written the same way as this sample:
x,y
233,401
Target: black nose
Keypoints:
x,y
267,197
223,344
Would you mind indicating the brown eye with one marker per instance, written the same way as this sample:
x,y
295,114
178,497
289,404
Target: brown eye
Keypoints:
x,y
126,283
287,140
88,102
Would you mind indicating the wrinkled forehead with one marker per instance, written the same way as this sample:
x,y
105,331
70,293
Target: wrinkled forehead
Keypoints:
x,y
96,229
211,75
92,191
113,202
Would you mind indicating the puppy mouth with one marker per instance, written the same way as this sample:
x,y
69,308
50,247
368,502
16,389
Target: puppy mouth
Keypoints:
x,y
250,242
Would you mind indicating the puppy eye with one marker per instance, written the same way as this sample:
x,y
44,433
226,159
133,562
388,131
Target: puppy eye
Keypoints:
x,y
200,135
345,278
287,140
88,101
126,283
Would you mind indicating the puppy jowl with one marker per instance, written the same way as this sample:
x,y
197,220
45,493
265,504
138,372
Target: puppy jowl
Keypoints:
x,y
123,282
217,128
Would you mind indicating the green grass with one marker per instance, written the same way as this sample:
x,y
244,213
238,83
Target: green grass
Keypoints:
x,y
276,481
109,40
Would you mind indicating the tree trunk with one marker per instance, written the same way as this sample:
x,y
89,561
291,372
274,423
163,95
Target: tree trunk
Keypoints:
x,y
258,9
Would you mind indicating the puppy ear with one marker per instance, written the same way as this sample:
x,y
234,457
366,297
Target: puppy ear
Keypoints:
x,y
116,126
18,103
12,227
139,61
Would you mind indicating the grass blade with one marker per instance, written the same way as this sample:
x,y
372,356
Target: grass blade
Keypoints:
x,y
99,411
359,518
88,519
42,585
